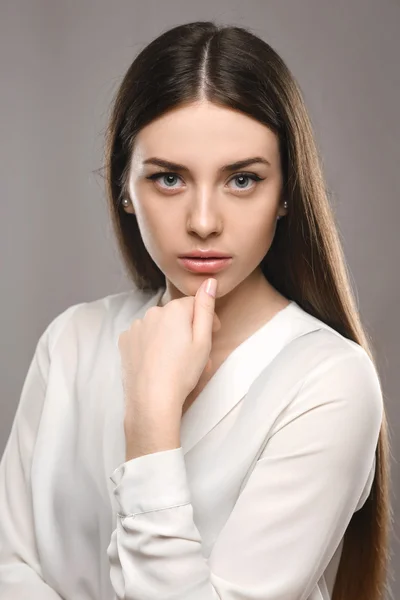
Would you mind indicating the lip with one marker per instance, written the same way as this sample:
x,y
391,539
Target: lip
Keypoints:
x,y
205,265
205,254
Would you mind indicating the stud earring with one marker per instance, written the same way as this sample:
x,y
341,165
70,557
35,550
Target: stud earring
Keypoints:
x,y
285,205
126,202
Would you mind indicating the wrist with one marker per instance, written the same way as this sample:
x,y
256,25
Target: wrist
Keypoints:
x,y
146,436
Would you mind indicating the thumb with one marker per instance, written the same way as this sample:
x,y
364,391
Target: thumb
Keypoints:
x,y
204,307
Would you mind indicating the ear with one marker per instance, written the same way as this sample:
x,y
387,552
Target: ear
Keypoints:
x,y
128,208
282,211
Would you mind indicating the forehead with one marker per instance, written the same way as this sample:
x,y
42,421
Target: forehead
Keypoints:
x,y
205,131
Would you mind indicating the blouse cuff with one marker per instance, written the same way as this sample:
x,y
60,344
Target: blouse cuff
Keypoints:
x,y
151,482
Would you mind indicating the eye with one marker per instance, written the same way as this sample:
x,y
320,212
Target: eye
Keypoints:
x,y
157,176
244,176
238,176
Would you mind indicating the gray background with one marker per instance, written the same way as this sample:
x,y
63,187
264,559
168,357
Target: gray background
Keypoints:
x,y
60,64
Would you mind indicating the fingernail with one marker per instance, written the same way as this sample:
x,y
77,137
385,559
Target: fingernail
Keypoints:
x,y
211,287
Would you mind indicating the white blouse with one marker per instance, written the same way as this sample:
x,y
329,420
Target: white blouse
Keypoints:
x,y
277,453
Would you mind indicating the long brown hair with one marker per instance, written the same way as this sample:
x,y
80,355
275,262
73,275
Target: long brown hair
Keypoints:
x,y
232,67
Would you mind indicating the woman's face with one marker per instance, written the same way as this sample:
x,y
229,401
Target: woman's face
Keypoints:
x,y
203,205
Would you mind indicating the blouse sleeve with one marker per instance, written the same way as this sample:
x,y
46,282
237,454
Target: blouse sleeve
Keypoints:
x,y
20,570
289,518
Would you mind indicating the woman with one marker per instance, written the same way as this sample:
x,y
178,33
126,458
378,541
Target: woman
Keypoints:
x,y
174,443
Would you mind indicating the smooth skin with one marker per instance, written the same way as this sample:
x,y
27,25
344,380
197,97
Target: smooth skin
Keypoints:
x,y
201,206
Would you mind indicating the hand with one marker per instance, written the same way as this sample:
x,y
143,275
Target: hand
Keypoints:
x,y
164,354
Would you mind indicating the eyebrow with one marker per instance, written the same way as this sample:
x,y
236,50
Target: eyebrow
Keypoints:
x,y
240,164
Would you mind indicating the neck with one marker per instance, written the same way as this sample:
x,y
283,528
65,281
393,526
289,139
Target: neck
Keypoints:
x,y
248,306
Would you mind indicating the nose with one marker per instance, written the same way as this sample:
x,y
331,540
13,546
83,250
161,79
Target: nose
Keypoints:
x,y
204,215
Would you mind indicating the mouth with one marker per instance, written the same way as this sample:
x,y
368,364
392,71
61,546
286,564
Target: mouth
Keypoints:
x,y
210,264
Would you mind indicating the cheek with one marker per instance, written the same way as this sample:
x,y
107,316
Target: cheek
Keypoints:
x,y
256,233
157,229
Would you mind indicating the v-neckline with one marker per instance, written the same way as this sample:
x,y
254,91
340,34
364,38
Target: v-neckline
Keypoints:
x,y
239,348
241,369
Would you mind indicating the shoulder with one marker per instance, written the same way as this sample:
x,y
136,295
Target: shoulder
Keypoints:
x,y
324,346
335,371
91,324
